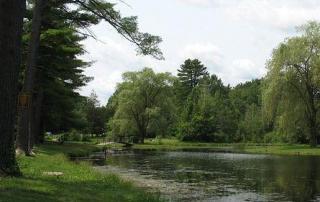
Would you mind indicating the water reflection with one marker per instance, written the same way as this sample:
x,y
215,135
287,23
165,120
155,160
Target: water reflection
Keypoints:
x,y
205,176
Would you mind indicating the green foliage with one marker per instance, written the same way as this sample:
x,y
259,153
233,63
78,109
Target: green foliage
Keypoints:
x,y
144,107
190,74
246,100
251,128
210,112
291,93
273,137
206,115
60,71
282,107
95,115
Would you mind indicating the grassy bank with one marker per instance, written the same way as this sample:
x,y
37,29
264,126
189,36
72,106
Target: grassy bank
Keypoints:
x,y
176,144
277,149
78,183
303,150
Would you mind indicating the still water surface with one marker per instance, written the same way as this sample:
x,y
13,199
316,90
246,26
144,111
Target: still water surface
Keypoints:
x,y
209,176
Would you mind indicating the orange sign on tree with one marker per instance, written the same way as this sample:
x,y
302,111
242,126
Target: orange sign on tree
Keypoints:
x,y
24,100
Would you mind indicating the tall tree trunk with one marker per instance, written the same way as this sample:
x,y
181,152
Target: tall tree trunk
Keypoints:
x,y
37,112
11,20
25,137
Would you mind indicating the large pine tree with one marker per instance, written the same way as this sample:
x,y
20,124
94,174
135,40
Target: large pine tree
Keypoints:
x,y
11,18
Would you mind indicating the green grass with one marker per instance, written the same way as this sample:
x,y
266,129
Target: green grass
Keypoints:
x,y
79,182
174,144
284,150
277,149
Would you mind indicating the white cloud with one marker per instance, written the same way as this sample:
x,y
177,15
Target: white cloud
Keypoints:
x,y
206,52
112,57
242,70
196,2
209,54
239,70
279,14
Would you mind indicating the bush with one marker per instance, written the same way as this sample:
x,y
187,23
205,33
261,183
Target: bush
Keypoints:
x,y
273,137
74,135
85,138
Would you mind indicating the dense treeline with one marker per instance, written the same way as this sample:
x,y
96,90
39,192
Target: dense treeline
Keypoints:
x,y
197,106
194,106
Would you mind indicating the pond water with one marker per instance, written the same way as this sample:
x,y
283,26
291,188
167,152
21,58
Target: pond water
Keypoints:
x,y
216,176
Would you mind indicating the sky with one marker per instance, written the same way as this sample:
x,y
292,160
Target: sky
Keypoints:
x,y
232,38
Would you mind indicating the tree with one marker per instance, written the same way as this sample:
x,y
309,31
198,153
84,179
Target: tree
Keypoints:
x,y
95,115
25,137
207,114
198,121
246,101
11,20
190,74
251,127
293,79
61,74
143,99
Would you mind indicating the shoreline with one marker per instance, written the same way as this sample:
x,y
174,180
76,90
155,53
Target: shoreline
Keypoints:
x,y
246,148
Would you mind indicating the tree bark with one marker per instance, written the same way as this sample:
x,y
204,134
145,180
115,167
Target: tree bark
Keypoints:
x,y
37,122
11,21
25,137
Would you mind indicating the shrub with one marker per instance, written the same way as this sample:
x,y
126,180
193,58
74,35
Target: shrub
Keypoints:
x,y
273,137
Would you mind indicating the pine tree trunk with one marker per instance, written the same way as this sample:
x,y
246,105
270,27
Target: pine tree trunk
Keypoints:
x,y
11,20
25,136
37,109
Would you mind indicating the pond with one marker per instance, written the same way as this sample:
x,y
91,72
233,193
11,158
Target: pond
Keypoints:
x,y
216,176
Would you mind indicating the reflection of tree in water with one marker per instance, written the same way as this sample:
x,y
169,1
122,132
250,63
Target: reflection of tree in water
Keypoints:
x,y
295,177
301,178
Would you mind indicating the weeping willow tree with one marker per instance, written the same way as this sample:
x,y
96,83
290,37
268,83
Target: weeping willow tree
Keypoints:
x,y
144,105
292,88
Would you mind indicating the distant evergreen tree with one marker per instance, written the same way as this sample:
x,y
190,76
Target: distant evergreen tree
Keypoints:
x,y
95,114
190,74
